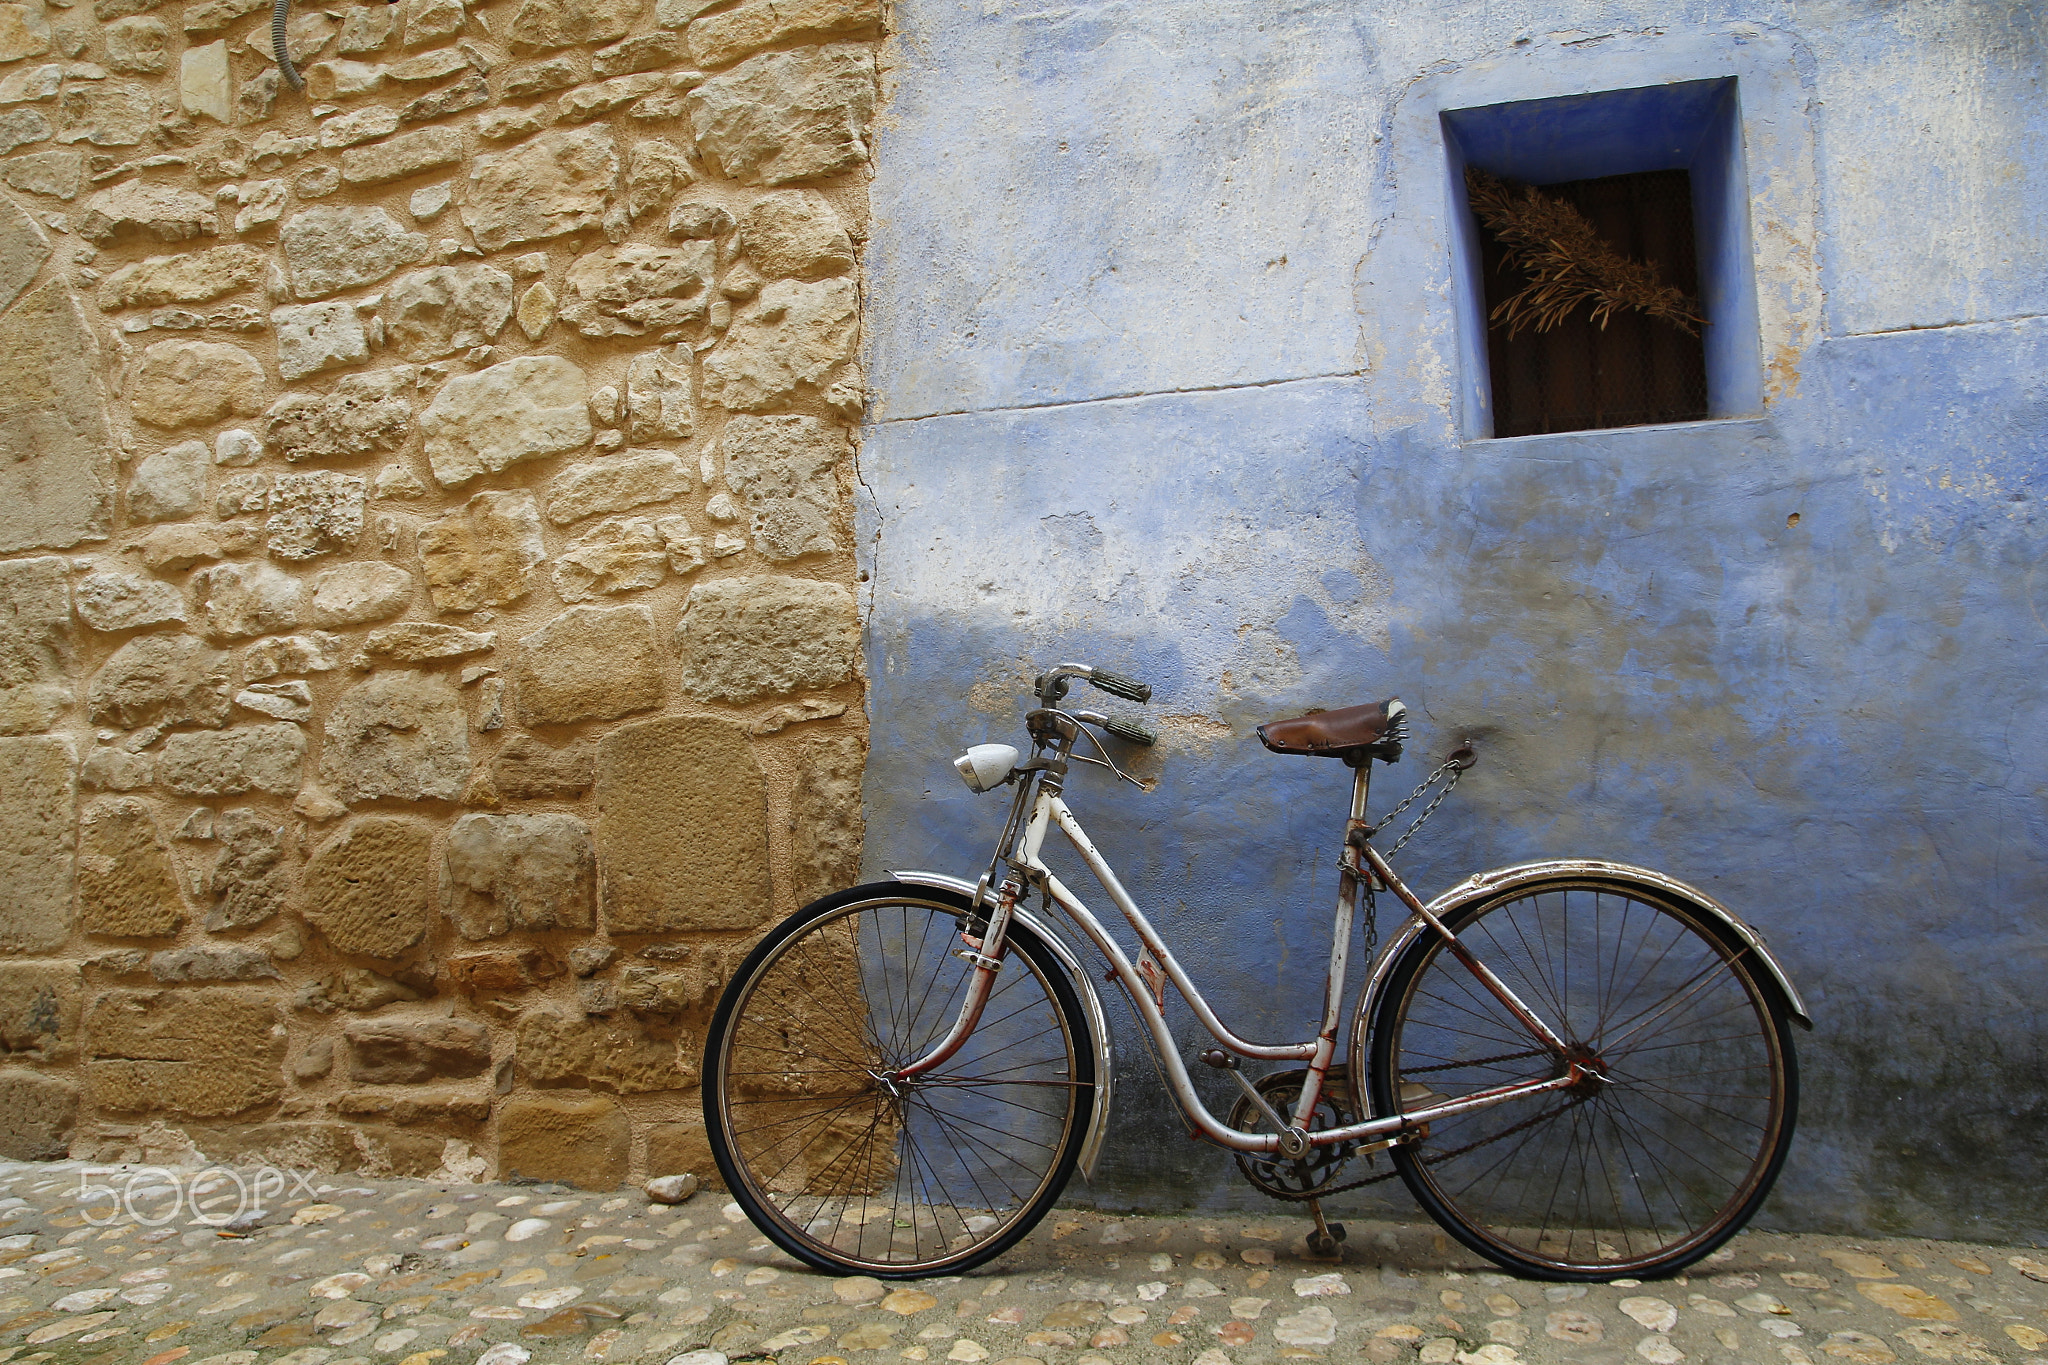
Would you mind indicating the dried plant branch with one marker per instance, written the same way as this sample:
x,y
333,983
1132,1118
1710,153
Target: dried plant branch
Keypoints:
x,y
1567,263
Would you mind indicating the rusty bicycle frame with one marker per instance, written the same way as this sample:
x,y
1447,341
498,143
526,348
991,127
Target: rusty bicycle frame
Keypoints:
x,y
1040,784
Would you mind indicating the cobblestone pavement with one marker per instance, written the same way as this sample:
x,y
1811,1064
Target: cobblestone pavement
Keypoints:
x,y
345,1271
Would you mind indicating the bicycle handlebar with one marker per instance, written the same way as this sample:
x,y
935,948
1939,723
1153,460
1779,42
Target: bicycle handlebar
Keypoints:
x,y
1051,685
1130,730
1117,685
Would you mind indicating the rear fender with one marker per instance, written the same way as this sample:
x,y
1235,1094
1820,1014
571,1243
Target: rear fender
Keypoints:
x,y
1526,876
1091,1003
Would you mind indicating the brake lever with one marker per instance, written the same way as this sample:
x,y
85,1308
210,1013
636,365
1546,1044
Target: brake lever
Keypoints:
x,y
1097,718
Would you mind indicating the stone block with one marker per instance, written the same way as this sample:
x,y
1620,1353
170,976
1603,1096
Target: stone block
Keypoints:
x,y
660,396
396,158
825,823
483,555
170,548
251,875
19,127
467,93
208,1053
682,827
358,126
407,1052
361,415
138,44
359,988
506,972
558,182
185,383
655,168
312,337
56,484
681,1149
314,513
36,648
589,663
527,768
413,642
617,1055
784,469
205,88
518,409
619,554
39,1011
116,769
643,52
213,962
106,113
634,479
239,600
787,116
329,248
510,872
119,601
128,882
369,888
432,313
37,1116
264,758
401,734
161,680
145,209
314,652
61,175
795,233
784,345
170,484
626,290
192,278
38,802
723,38
580,1142
354,594
742,638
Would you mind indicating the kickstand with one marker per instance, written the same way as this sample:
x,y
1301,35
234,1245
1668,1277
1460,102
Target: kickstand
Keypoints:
x,y
1323,1241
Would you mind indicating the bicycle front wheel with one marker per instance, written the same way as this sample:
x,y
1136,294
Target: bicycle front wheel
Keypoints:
x,y
857,1174
1639,1174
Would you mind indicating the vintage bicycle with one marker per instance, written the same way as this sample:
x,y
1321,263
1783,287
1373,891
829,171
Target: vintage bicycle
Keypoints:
x,y
1582,1070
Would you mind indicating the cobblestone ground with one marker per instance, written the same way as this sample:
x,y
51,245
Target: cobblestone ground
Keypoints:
x,y
344,1271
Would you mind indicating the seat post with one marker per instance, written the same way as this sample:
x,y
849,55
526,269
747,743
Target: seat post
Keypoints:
x,y
1361,783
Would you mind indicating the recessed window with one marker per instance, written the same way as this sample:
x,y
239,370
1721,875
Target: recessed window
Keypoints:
x,y
1604,277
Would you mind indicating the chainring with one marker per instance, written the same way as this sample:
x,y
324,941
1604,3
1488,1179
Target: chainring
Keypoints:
x,y
1319,1167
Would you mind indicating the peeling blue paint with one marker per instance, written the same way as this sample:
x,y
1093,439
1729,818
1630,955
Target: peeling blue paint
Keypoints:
x,y
1162,328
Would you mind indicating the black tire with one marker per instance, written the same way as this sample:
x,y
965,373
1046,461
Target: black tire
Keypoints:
x,y
1640,1176
958,1165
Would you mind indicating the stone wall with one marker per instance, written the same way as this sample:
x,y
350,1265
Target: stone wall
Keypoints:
x,y
428,643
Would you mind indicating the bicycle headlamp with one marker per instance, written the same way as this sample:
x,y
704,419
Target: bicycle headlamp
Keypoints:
x,y
984,766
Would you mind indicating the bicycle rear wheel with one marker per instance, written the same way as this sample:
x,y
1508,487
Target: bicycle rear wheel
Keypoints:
x,y
1638,1176
855,1174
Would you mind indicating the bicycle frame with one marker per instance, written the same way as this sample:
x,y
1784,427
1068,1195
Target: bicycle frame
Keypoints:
x,y
1041,788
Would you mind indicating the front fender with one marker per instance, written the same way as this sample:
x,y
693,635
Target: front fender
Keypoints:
x,y
1091,1002
1522,876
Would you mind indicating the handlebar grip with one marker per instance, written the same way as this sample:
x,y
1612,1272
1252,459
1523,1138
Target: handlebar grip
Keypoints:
x,y
1117,685
1130,730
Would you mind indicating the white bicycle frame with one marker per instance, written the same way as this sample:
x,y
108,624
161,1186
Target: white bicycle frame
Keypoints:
x,y
1145,983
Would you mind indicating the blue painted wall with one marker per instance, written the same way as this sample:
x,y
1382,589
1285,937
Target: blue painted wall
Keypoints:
x,y
1163,334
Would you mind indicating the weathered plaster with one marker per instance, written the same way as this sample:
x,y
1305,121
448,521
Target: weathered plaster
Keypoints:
x,y
1261,502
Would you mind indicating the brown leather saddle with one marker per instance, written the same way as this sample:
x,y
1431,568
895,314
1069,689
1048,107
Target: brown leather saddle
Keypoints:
x,y
1354,733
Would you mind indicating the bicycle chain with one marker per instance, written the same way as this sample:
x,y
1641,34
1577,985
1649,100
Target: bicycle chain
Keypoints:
x,y
1433,1159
